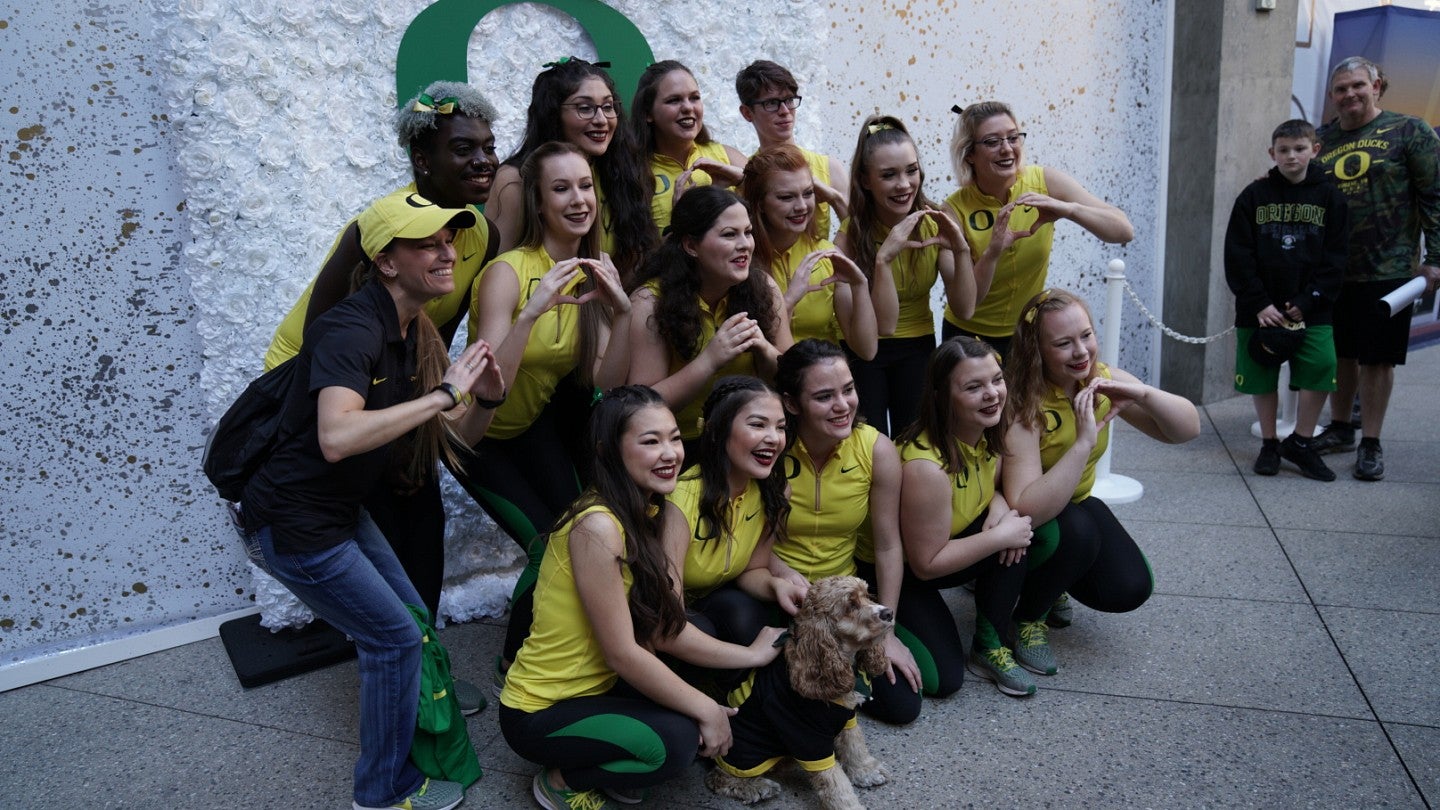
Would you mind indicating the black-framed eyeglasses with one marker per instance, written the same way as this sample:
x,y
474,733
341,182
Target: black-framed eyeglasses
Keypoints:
x,y
993,142
585,111
773,104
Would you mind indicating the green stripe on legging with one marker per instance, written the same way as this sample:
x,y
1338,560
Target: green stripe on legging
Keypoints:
x,y
628,733
924,661
513,520
1043,544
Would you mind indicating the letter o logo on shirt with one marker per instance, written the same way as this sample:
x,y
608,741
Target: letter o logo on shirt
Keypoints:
x,y
1348,169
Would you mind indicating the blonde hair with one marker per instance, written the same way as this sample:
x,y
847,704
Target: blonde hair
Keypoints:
x,y
962,142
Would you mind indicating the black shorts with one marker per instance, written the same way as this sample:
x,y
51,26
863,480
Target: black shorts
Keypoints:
x,y
1363,332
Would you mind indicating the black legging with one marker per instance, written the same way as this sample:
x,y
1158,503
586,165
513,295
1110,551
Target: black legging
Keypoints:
x,y
524,484
889,702
928,627
889,386
729,614
604,741
1097,562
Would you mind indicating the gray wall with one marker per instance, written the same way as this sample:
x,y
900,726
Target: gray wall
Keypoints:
x,y
107,524
1231,86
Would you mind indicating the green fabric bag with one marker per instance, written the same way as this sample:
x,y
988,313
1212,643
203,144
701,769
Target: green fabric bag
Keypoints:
x,y
441,749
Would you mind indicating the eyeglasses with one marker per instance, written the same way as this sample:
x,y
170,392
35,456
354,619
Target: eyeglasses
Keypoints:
x,y
586,112
773,104
993,142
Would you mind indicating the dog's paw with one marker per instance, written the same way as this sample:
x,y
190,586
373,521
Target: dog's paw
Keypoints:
x,y
745,790
869,773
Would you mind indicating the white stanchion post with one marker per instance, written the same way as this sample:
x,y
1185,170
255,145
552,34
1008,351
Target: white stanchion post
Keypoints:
x,y
1110,487
1289,403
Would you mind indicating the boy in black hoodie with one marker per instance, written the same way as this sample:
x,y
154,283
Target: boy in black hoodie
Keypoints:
x,y
1285,253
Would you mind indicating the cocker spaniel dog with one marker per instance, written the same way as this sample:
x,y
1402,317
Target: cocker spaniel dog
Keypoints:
x,y
802,705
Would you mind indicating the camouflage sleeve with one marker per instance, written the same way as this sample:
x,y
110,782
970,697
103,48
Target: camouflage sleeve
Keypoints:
x,y
1423,162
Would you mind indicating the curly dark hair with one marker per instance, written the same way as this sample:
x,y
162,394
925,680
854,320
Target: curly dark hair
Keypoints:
x,y
656,611
620,172
677,311
729,395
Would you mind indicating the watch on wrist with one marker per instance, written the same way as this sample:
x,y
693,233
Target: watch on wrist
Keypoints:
x,y
450,391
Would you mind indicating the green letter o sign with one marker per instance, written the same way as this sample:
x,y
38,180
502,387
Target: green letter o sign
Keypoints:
x,y
435,45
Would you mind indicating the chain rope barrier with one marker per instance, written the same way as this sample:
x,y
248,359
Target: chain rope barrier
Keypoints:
x,y
1170,333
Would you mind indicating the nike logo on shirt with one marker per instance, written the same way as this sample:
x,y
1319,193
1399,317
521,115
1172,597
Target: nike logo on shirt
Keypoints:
x,y
378,380
844,470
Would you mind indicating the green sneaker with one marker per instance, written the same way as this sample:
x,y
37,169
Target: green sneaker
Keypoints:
x,y
1033,651
1061,613
553,798
432,795
999,667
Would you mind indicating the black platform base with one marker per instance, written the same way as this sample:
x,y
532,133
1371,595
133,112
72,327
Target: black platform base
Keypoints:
x,y
260,656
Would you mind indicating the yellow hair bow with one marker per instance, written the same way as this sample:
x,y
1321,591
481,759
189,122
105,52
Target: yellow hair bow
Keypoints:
x,y
444,106
1035,307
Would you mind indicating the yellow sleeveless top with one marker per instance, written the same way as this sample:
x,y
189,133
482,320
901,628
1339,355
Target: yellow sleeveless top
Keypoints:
x,y
552,351
820,170
1021,271
915,272
829,507
667,171
973,485
560,658
814,316
1057,417
714,557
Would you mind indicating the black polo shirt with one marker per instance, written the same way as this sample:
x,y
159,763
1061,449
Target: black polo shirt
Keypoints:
x,y
309,503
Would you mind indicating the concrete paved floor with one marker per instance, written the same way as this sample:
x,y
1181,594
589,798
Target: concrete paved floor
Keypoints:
x,y
1287,659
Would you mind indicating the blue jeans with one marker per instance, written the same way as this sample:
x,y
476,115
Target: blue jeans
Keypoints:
x,y
359,587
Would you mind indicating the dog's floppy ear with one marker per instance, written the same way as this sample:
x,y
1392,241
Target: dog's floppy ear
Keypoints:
x,y
872,659
818,667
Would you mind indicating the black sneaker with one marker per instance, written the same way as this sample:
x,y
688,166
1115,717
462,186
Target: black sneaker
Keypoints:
x,y
1335,437
1268,462
1305,457
1369,462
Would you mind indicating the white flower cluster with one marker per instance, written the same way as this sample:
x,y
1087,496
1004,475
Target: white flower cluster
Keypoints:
x,y
283,114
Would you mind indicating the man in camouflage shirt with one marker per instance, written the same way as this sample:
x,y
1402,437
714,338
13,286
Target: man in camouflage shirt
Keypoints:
x,y
1388,167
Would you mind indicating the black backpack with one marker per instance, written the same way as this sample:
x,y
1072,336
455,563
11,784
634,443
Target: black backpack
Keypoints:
x,y
248,432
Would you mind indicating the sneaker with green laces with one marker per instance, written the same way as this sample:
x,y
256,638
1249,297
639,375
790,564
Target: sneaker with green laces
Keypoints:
x,y
1033,650
998,666
1062,613
553,798
432,795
